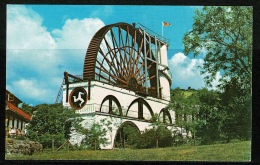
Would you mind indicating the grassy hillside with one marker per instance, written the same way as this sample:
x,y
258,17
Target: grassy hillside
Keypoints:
x,y
237,151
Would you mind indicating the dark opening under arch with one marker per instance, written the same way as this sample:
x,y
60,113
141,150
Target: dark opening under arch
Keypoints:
x,y
166,116
141,103
126,135
112,109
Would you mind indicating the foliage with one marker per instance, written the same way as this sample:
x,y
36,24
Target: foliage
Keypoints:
x,y
199,113
156,137
210,117
186,107
213,116
160,133
47,123
225,34
237,105
96,135
131,136
27,108
150,138
46,140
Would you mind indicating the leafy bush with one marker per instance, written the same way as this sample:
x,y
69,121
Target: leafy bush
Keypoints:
x,y
150,138
155,137
48,123
95,137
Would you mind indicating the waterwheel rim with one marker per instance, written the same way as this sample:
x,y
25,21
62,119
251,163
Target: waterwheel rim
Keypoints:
x,y
116,56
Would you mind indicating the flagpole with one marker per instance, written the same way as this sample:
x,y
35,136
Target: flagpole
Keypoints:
x,y
162,29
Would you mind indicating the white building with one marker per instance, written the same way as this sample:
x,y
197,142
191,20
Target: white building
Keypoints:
x,y
125,80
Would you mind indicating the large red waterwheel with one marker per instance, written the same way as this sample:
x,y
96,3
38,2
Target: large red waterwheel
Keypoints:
x,y
117,55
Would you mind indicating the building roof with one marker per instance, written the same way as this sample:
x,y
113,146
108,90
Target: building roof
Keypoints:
x,y
17,110
10,97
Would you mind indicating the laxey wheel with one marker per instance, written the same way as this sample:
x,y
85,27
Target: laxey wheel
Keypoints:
x,y
116,56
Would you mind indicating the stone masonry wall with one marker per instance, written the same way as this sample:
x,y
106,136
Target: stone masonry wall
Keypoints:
x,y
27,147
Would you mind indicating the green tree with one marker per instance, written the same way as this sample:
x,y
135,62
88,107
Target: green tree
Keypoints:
x,y
185,103
155,137
225,34
128,135
156,124
210,117
96,135
237,105
47,124
131,136
158,136
27,108
199,112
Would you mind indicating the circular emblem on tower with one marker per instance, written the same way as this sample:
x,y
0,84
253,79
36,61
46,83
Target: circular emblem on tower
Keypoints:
x,y
78,98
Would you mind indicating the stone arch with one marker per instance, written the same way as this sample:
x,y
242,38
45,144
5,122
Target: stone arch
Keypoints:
x,y
120,136
111,108
165,116
144,110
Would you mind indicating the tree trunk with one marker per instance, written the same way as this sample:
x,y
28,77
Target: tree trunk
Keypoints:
x,y
157,142
194,138
228,139
95,144
121,140
52,140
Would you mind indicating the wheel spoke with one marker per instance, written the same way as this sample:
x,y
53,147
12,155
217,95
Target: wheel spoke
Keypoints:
x,y
132,54
111,61
104,70
138,57
107,61
116,56
127,50
113,76
123,68
114,46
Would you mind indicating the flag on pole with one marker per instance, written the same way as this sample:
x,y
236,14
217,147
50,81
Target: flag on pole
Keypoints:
x,y
166,24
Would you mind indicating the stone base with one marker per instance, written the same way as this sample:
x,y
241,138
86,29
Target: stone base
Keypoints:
x,y
13,146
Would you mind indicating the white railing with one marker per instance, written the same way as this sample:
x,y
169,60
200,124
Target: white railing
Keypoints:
x,y
89,108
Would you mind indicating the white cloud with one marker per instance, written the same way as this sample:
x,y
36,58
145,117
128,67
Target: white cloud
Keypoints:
x,y
72,42
25,30
32,89
71,34
37,58
185,72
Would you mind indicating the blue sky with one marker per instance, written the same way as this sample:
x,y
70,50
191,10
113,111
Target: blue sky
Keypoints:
x,y
43,41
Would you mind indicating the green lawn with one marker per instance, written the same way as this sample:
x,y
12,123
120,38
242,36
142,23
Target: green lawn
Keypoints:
x,y
236,151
